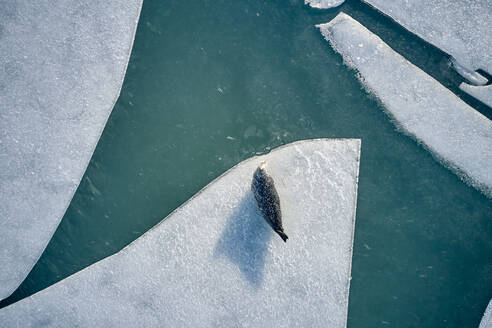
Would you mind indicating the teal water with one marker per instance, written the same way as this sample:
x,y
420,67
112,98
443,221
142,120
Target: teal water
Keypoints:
x,y
211,83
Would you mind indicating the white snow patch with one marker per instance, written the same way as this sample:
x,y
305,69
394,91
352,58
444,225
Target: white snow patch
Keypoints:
x,y
62,64
453,131
215,262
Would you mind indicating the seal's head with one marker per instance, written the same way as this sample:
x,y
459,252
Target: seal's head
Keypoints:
x,y
261,172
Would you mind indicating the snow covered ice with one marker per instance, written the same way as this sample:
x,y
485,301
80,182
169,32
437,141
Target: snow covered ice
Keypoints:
x,y
215,262
482,93
62,64
472,76
453,131
487,317
460,28
323,4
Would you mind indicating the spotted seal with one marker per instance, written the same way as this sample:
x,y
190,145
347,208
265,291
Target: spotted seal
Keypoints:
x,y
267,199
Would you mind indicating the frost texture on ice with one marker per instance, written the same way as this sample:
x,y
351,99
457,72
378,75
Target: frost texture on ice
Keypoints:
x,y
460,28
215,262
454,132
323,4
62,64
487,317
482,93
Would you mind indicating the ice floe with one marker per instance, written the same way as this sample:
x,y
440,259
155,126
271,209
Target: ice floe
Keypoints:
x,y
453,131
62,64
215,262
482,93
474,77
487,317
323,4
460,28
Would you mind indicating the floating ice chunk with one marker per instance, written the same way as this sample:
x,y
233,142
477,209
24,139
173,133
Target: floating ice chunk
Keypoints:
x,y
323,4
474,77
482,93
460,28
62,64
453,131
215,262
487,317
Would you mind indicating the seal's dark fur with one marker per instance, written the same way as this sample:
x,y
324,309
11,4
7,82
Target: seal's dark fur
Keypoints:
x,y
267,199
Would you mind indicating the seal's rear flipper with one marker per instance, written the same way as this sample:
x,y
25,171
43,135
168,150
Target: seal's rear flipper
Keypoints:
x,y
282,235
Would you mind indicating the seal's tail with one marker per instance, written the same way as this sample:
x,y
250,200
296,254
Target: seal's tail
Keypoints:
x,y
282,235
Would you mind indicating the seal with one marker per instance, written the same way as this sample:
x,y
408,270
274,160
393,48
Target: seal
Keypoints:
x,y
267,199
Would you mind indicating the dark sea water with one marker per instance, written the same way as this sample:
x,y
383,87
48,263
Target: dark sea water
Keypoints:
x,y
211,83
